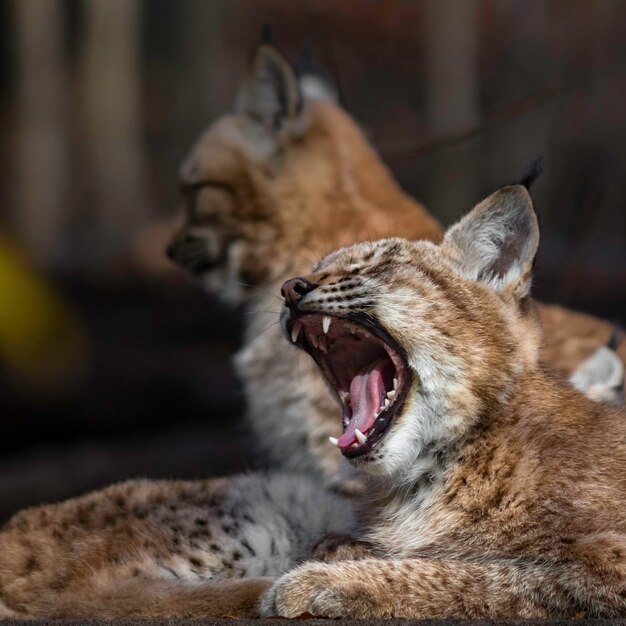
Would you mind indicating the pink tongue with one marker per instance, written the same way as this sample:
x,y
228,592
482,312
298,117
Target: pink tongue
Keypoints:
x,y
366,392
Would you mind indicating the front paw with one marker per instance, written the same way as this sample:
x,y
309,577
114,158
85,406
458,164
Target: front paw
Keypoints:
x,y
317,589
336,547
303,590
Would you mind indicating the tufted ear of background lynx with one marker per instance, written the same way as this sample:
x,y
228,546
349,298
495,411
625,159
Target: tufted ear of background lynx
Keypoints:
x,y
267,190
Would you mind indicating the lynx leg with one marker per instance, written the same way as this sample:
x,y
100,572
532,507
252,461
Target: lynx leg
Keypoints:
x,y
424,588
106,598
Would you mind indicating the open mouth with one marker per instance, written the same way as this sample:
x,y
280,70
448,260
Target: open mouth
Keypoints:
x,y
366,368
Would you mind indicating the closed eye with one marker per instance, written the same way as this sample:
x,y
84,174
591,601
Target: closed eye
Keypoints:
x,y
207,200
193,188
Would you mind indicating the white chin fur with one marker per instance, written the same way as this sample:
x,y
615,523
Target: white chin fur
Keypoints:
x,y
217,283
225,282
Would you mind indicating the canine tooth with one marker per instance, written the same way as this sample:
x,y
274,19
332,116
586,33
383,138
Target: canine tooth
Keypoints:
x,y
326,324
391,394
360,437
295,331
395,384
334,441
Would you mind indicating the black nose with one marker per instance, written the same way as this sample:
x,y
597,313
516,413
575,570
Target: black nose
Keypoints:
x,y
176,248
170,251
295,289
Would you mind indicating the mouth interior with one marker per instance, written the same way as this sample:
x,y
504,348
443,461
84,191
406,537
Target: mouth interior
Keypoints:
x,y
364,367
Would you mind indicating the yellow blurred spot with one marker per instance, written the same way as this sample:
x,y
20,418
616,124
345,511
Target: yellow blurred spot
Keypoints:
x,y
39,341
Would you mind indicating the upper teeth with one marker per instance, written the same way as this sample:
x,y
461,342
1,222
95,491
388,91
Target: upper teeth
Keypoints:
x,y
323,342
334,441
295,331
326,324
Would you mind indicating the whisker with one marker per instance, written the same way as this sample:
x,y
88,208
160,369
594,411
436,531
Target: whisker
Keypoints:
x,y
257,288
366,279
261,311
273,295
266,329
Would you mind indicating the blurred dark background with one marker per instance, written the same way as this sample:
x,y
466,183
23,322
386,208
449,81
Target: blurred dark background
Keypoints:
x,y
112,365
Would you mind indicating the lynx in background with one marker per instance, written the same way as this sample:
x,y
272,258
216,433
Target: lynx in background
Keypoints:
x,y
267,191
164,549
497,489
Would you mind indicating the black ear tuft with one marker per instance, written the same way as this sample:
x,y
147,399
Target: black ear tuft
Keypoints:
x,y
266,34
532,173
616,338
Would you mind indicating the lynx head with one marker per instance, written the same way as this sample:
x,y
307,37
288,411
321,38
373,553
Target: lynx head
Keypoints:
x,y
420,342
255,187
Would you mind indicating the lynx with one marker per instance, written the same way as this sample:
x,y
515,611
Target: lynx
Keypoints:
x,y
497,489
156,549
267,191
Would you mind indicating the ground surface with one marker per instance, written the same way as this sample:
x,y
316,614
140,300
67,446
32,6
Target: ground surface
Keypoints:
x,y
313,622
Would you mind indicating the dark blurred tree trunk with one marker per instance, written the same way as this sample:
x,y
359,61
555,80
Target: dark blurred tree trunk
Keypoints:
x,y
111,99
451,44
529,76
205,83
41,159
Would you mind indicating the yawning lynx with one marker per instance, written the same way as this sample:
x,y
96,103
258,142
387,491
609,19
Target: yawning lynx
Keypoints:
x,y
267,191
497,489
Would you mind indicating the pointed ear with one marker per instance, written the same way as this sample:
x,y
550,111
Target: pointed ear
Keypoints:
x,y
271,95
496,242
